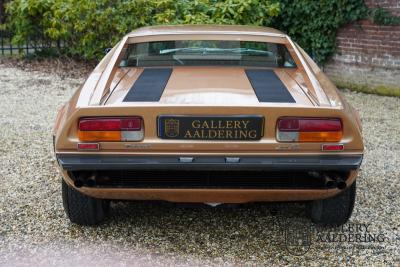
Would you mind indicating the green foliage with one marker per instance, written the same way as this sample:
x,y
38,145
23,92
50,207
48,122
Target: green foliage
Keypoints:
x,y
383,17
87,27
25,18
243,12
313,24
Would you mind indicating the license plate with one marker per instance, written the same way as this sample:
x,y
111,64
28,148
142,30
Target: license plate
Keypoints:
x,y
241,127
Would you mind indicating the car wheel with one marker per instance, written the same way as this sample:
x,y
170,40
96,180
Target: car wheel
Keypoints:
x,y
82,209
336,210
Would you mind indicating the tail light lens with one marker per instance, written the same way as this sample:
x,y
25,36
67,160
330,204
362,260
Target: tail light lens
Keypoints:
x,y
309,129
88,146
111,129
330,147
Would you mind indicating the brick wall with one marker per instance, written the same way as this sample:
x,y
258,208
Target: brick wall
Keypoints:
x,y
368,54
392,5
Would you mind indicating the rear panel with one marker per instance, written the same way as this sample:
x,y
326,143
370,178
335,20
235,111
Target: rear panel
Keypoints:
x,y
67,139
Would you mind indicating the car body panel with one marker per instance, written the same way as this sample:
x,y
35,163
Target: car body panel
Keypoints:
x,y
210,195
207,91
200,85
67,138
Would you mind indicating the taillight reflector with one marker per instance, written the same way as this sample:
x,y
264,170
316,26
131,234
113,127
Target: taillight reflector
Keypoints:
x,y
110,129
329,147
292,129
88,146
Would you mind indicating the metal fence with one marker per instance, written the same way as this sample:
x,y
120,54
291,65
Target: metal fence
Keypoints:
x,y
30,46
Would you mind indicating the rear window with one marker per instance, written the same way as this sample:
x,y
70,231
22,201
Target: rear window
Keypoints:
x,y
207,53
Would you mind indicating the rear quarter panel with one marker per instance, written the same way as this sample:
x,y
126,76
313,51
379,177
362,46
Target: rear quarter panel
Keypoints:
x,y
331,90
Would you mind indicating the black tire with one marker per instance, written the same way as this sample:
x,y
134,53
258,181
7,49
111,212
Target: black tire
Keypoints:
x,y
82,209
336,210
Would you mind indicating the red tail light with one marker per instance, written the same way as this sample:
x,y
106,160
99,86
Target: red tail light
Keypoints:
x,y
309,129
88,146
111,129
110,124
328,147
309,125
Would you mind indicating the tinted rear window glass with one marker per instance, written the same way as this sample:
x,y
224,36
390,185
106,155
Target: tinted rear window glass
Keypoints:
x,y
207,53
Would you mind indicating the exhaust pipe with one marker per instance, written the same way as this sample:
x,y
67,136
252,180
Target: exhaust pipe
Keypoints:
x,y
83,180
78,183
341,184
329,182
91,181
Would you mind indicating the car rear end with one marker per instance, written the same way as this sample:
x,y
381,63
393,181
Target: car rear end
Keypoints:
x,y
295,154
239,125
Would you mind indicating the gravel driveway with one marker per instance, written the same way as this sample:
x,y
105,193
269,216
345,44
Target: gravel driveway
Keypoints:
x,y
34,228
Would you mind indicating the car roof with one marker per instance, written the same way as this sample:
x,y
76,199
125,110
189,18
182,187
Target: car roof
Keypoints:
x,y
205,29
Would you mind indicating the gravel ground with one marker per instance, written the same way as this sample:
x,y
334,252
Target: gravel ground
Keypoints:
x,y
35,230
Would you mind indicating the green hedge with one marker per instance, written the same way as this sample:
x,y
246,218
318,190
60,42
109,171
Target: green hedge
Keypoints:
x,y
382,16
87,27
314,24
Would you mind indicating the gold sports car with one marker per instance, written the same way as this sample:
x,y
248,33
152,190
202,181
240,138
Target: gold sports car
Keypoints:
x,y
208,114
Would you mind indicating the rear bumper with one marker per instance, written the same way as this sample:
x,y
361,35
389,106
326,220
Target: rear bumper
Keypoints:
x,y
163,188
75,162
196,195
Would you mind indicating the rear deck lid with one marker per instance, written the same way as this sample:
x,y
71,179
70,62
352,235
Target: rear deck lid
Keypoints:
x,y
209,86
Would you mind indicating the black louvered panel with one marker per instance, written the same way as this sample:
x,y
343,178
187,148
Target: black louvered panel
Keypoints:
x,y
208,179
